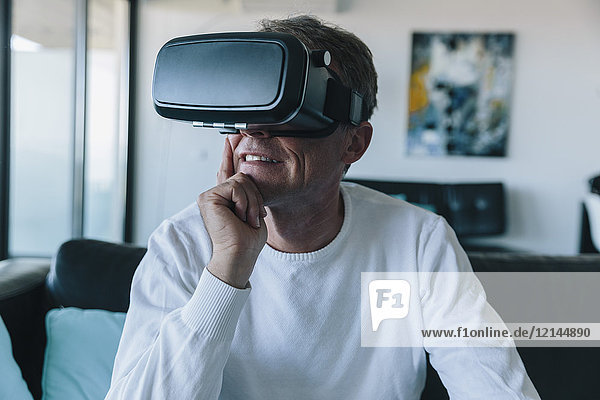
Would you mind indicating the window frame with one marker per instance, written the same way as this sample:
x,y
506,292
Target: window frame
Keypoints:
x,y
5,53
79,120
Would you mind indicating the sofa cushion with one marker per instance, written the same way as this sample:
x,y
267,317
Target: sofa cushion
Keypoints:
x,y
12,385
80,352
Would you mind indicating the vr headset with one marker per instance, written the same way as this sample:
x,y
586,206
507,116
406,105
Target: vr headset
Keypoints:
x,y
255,81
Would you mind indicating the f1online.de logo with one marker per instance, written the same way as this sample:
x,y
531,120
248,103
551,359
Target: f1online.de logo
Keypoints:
x,y
388,299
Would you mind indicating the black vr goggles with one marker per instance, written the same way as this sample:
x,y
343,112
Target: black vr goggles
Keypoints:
x,y
252,80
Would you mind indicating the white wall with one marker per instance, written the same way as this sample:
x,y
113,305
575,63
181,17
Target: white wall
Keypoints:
x,y
554,141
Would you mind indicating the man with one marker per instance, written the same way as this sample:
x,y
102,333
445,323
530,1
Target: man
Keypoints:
x,y
254,292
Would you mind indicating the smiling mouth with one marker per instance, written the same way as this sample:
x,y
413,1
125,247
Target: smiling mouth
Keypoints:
x,y
252,157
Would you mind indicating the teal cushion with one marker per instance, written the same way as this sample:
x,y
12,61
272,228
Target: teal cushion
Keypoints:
x,y
80,352
12,385
428,207
400,196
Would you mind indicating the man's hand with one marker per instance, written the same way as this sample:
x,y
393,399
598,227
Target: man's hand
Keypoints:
x,y
233,213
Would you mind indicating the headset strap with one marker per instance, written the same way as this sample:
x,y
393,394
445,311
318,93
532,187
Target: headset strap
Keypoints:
x,y
344,104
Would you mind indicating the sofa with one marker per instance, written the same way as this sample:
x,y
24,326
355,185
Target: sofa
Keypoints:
x,y
86,274
94,275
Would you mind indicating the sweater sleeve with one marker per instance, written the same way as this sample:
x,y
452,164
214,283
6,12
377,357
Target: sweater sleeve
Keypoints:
x,y
454,297
177,337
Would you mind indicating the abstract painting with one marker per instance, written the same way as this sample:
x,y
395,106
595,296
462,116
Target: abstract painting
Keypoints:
x,y
460,94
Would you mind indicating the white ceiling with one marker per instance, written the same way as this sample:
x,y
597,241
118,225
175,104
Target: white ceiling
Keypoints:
x,y
51,23
250,5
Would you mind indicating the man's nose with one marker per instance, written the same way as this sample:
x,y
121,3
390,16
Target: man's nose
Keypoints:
x,y
256,133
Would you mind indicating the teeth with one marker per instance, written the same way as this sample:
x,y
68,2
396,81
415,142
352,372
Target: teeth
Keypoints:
x,y
252,157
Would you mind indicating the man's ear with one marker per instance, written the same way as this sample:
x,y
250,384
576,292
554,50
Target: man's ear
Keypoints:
x,y
357,141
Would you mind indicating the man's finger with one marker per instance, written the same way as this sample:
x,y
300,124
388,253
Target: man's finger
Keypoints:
x,y
254,206
239,197
226,170
260,208
253,199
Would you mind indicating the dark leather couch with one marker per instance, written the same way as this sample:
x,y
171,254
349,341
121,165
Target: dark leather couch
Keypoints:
x,y
472,209
87,274
94,274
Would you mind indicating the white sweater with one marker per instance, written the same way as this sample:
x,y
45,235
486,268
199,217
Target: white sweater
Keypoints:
x,y
296,333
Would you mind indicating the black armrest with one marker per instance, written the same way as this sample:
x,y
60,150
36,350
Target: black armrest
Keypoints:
x,y
21,275
22,307
21,290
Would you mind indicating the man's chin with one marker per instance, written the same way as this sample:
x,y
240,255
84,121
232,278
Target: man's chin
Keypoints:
x,y
271,192
272,185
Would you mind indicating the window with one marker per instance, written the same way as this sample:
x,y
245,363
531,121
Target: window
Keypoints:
x,y
41,137
68,122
